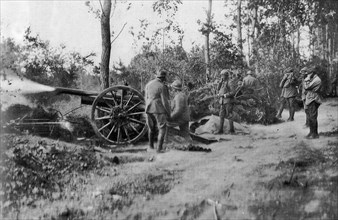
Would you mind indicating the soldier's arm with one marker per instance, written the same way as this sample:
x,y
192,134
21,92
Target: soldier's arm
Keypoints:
x,y
219,85
231,91
179,104
282,82
165,99
312,84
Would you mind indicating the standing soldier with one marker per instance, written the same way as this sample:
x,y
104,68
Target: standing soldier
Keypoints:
x,y
250,83
180,114
333,91
226,93
289,93
157,109
303,74
312,102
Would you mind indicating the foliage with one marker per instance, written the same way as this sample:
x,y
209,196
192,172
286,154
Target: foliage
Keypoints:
x,y
42,63
31,171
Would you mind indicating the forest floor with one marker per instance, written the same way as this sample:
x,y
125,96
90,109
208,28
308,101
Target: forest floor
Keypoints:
x,y
271,173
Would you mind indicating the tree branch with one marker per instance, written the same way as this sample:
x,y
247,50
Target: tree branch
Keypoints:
x,y
118,33
113,11
101,8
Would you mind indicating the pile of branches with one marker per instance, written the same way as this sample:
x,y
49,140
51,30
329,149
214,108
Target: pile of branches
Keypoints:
x,y
249,108
31,171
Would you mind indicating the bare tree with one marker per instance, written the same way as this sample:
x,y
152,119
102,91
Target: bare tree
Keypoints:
x,y
239,25
106,44
206,33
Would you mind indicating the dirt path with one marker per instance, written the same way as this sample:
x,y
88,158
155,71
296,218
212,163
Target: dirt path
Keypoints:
x,y
256,176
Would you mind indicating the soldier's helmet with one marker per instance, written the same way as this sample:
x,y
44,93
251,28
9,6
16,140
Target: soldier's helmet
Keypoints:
x,y
225,72
304,70
289,70
161,74
177,84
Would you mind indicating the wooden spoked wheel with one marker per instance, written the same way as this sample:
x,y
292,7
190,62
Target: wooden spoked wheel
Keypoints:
x,y
118,115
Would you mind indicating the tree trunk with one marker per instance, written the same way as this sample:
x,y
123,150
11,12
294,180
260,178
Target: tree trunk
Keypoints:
x,y
106,45
207,47
239,26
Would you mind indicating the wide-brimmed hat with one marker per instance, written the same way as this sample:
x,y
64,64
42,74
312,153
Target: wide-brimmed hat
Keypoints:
x,y
249,72
161,74
177,84
311,70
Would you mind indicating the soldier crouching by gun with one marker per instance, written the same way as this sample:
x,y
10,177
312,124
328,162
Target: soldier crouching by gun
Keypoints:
x,y
226,94
180,113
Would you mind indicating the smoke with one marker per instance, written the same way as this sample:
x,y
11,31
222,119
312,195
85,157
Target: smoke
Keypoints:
x,y
12,89
14,84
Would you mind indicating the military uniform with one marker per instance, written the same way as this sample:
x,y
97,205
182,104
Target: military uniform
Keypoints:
x,y
312,102
250,84
304,72
289,93
227,91
180,114
157,109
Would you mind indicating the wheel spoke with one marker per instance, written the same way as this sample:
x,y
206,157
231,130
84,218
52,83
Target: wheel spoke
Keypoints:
x,y
111,131
136,121
103,127
109,99
132,126
125,131
102,109
130,98
135,113
113,97
134,106
103,118
118,134
122,94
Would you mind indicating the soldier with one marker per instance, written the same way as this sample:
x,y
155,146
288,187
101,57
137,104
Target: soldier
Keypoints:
x,y
250,83
289,93
180,114
303,74
157,109
312,101
333,91
226,93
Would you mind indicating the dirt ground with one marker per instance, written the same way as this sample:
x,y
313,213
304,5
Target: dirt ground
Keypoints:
x,y
271,173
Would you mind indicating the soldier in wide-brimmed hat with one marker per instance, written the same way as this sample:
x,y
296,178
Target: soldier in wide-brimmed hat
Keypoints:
x,y
289,93
226,94
157,109
313,100
303,73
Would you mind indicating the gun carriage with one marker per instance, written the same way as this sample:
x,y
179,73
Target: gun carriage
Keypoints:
x,y
117,113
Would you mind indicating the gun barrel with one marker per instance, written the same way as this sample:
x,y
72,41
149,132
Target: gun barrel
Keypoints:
x,y
78,92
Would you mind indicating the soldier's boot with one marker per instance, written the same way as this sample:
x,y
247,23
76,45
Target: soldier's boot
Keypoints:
x,y
231,127
310,134
221,124
279,112
151,138
315,130
292,114
160,141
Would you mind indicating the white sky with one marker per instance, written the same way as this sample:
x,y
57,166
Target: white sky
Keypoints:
x,y
68,22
